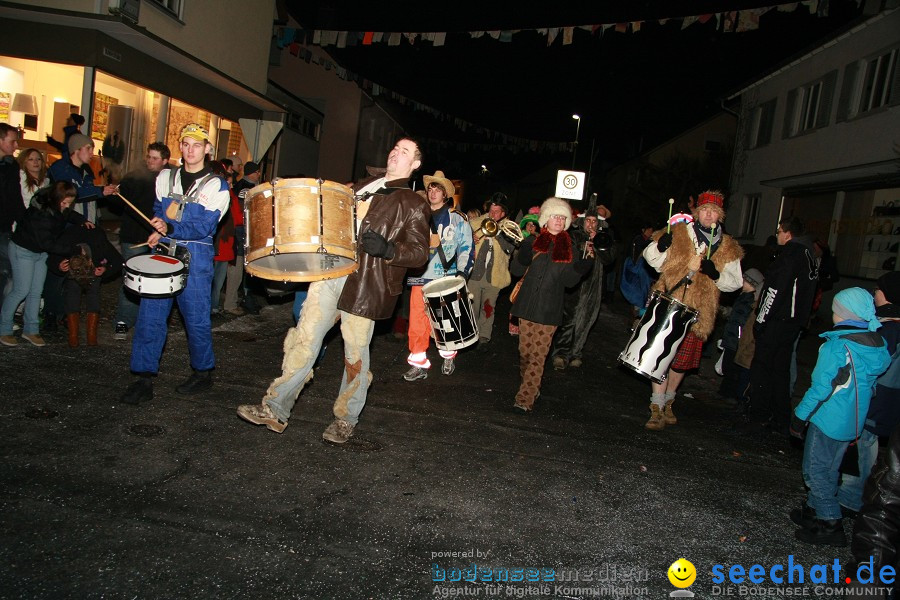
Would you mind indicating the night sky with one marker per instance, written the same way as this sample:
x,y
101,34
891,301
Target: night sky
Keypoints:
x,y
631,89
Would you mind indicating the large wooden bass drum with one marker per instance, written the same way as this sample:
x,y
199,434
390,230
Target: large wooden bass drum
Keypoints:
x,y
300,230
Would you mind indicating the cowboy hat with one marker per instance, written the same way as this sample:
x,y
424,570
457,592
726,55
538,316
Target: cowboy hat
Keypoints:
x,y
439,179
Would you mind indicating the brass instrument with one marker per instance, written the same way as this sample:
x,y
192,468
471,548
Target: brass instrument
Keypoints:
x,y
508,229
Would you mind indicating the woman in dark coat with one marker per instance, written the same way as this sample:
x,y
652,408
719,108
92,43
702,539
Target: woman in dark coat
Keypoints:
x,y
548,265
37,233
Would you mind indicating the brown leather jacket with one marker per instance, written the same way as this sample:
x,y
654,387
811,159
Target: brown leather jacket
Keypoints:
x,y
402,217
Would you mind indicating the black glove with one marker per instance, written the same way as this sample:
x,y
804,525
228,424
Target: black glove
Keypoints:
x,y
708,268
797,427
375,244
664,242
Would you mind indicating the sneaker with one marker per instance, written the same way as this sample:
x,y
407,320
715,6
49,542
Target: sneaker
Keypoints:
x,y
559,363
9,340
121,331
448,367
141,390
414,374
575,363
199,381
338,432
16,327
35,339
261,414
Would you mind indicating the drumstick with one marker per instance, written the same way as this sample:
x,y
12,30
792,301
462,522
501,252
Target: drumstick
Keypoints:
x,y
711,236
668,224
136,209
140,245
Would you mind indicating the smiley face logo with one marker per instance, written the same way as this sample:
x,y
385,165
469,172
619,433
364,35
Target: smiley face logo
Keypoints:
x,y
682,573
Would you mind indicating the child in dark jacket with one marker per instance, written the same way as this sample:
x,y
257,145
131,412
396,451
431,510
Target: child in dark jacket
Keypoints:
x,y
835,408
733,373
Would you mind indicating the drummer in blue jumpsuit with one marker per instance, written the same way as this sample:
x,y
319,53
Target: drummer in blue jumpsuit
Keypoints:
x,y
190,201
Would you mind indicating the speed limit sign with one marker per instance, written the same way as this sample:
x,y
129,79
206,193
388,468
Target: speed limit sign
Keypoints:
x,y
570,185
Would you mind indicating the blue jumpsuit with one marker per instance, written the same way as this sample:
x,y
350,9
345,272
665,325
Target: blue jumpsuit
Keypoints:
x,y
206,202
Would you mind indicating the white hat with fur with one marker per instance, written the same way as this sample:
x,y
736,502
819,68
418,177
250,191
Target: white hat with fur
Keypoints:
x,y
555,206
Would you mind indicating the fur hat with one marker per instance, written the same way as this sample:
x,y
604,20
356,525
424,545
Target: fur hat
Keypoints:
x,y
438,177
79,141
711,197
555,206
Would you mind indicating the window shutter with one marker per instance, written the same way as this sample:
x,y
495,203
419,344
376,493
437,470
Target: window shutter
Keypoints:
x,y
894,100
788,130
848,99
826,99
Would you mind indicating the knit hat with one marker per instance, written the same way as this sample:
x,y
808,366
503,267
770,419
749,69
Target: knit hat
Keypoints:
x,y
555,206
529,218
78,141
754,278
855,304
889,284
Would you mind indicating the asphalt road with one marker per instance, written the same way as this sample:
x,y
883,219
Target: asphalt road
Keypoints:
x,y
179,498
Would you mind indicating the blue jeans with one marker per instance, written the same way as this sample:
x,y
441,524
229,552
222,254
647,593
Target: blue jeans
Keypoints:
x,y
29,269
851,490
301,348
129,302
5,267
220,271
821,463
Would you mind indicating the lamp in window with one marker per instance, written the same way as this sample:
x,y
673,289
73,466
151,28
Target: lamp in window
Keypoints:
x,y
24,103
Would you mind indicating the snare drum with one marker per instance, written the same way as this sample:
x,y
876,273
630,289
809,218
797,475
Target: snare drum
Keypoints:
x,y
300,230
155,275
655,341
450,312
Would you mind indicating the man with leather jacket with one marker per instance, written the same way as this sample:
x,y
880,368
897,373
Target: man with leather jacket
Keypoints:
x,y
393,236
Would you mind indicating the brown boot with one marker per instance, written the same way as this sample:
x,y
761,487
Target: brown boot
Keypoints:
x,y
73,323
656,422
668,415
93,320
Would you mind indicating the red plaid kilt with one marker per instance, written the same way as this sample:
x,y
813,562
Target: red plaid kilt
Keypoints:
x,y
688,356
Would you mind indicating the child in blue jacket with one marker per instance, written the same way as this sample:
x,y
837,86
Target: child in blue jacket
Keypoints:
x,y
835,407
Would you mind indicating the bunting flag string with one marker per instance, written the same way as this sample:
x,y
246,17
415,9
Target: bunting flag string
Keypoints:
x,y
735,21
296,40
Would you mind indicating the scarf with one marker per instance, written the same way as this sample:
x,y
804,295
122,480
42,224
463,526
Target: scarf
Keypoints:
x,y
562,245
705,235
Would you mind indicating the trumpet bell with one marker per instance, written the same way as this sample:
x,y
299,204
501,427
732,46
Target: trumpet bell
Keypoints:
x,y
489,228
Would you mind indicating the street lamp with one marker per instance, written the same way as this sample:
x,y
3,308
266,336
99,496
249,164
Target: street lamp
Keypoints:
x,y
575,146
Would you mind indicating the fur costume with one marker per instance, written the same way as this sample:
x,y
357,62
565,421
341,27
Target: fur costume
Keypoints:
x,y
702,294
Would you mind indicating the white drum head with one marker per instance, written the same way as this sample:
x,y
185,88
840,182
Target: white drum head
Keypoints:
x,y
154,265
439,287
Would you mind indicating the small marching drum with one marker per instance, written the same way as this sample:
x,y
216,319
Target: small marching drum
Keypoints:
x,y
655,341
450,312
300,230
155,275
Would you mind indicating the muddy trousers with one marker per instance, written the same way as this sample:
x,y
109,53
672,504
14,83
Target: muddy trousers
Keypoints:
x,y
484,300
302,345
534,345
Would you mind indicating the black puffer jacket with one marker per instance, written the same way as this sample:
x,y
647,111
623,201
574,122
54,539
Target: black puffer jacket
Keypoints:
x,y
40,228
541,296
876,532
11,206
